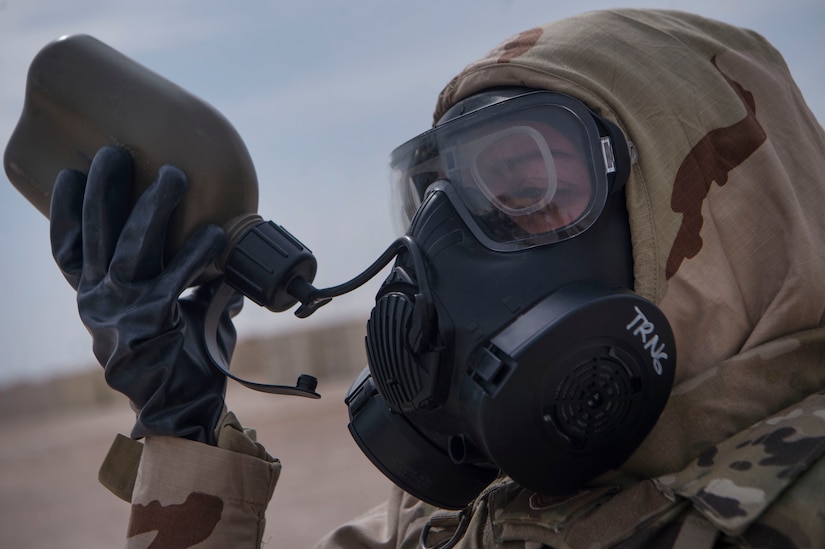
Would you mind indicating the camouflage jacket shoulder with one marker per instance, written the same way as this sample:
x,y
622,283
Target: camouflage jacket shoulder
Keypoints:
x,y
761,488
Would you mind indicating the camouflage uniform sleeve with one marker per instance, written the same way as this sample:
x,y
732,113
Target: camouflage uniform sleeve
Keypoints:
x,y
185,493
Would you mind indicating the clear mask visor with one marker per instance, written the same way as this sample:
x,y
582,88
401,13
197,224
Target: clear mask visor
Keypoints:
x,y
527,171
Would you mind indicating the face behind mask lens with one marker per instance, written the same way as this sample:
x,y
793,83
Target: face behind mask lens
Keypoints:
x,y
512,167
529,170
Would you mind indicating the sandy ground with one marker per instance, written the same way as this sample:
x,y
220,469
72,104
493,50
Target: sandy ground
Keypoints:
x,y
50,497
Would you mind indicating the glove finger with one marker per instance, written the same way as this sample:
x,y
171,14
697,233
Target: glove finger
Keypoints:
x,y
197,253
105,209
140,250
65,224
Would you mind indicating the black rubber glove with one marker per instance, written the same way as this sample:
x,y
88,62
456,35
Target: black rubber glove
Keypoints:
x,y
148,338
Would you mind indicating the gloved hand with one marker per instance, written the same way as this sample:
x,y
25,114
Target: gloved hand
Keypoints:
x,y
148,338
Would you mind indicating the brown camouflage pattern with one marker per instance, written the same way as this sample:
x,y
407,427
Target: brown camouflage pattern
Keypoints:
x,y
189,494
702,102
725,204
199,512
710,161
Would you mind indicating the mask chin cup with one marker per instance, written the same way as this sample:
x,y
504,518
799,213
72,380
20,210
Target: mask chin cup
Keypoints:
x,y
405,456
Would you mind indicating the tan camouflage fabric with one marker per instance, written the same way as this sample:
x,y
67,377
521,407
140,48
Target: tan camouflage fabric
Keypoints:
x,y
726,205
188,494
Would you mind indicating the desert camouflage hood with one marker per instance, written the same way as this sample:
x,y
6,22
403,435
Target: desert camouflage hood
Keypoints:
x,y
726,204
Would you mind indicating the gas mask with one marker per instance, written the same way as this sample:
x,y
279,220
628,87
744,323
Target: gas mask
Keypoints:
x,y
506,338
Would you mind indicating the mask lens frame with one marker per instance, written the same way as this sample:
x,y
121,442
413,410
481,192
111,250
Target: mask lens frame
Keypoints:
x,y
568,182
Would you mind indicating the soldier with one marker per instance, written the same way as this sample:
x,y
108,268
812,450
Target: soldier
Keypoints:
x,y
649,150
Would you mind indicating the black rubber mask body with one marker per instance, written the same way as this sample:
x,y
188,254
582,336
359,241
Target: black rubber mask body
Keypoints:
x,y
539,363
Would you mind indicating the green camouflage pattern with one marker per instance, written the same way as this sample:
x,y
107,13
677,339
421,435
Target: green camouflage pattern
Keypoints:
x,y
762,487
733,483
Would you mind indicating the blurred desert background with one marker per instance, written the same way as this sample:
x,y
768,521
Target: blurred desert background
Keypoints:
x,y
56,433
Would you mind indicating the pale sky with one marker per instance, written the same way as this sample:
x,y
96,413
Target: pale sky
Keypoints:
x,y
321,92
